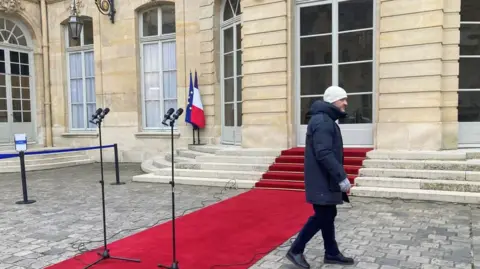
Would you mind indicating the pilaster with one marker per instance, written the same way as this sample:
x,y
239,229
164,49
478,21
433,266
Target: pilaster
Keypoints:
x,y
264,93
418,65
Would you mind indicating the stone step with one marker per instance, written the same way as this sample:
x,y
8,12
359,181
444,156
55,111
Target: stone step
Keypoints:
x,y
235,159
11,146
177,159
148,167
421,174
224,166
417,155
209,148
249,152
190,153
469,165
45,166
160,162
421,195
419,184
57,158
239,175
211,182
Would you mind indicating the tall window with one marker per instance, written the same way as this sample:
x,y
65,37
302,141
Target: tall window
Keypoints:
x,y
17,113
81,76
336,48
469,78
231,71
159,66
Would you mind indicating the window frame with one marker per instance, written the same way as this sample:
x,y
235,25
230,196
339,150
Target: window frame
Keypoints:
x,y
82,49
466,56
160,40
335,64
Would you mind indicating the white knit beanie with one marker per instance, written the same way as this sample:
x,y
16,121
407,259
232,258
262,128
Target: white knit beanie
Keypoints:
x,y
334,93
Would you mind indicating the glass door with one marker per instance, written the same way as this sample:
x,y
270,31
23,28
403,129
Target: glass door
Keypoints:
x,y
15,95
335,47
232,85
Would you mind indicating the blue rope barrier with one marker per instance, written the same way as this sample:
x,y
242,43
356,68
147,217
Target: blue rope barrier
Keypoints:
x,y
6,156
13,155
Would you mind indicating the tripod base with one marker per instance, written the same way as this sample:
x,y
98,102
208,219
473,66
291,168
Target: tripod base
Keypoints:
x,y
25,202
174,266
106,255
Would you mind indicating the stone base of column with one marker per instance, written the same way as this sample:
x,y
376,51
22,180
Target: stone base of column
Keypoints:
x,y
416,136
265,136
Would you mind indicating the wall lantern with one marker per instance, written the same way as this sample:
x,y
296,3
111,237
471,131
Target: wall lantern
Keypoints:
x,y
75,23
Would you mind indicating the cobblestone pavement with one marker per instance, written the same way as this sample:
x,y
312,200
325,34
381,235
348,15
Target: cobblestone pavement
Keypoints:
x,y
391,234
378,233
68,211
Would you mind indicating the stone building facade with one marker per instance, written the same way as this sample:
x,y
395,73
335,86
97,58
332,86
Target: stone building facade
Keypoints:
x,y
410,68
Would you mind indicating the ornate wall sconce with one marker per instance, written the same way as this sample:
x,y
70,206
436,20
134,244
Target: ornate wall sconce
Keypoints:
x,y
75,23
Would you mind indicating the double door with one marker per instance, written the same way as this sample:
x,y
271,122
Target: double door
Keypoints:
x,y
334,45
15,95
232,85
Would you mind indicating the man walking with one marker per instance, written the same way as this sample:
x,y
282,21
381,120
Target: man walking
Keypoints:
x,y
326,182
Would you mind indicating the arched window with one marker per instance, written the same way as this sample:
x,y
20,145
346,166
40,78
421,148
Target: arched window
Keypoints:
x,y
81,77
11,33
231,10
16,87
231,47
159,65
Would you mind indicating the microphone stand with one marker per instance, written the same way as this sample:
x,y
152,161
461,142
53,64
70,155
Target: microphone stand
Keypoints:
x,y
97,119
172,183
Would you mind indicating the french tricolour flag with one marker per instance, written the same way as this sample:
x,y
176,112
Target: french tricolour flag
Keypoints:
x,y
195,114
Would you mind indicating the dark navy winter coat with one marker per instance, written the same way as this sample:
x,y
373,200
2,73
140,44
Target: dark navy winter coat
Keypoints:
x,y
324,155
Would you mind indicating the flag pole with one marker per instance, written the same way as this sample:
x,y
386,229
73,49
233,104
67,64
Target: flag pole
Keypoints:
x,y
193,131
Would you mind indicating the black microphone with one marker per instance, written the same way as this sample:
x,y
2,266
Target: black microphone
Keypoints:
x,y
104,113
177,114
167,116
95,115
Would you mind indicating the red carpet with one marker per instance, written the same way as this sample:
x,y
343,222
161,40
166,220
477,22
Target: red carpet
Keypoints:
x,y
229,232
287,171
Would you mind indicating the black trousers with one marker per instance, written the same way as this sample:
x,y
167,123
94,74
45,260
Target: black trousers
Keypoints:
x,y
323,219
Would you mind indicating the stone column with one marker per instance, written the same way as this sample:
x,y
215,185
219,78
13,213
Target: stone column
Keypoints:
x,y
208,82
264,93
450,72
418,64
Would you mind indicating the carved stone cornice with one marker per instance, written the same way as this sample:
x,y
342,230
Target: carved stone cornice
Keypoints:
x,y
11,6
79,5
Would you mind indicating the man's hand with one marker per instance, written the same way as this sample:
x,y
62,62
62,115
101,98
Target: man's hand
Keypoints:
x,y
345,185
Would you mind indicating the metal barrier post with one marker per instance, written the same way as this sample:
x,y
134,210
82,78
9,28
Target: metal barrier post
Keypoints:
x,y
24,180
117,168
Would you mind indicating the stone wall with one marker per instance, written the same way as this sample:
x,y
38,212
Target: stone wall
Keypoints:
x,y
264,83
265,61
418,64
209,81
118,84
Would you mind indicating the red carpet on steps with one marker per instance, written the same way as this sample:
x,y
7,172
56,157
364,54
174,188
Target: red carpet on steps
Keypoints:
x,y
230,232
287,171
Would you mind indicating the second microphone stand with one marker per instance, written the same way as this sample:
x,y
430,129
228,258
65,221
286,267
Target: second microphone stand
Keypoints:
x,y
97,119
172,119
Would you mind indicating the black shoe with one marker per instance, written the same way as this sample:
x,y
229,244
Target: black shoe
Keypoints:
x,y
338,259
298,260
